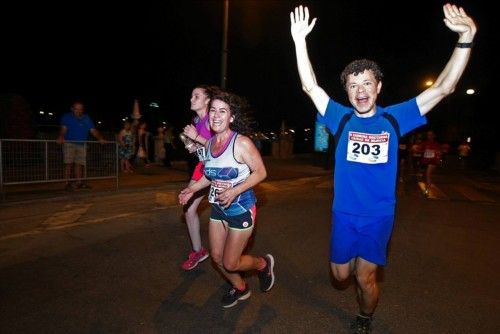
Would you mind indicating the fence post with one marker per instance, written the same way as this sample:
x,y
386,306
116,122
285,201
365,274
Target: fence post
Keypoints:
x,y
46,159
117,164
84,176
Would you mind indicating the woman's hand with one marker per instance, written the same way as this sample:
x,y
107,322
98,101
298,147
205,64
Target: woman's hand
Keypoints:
x,y
226,197
190,132
185,195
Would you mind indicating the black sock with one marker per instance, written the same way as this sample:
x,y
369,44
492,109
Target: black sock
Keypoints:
x,y
365,315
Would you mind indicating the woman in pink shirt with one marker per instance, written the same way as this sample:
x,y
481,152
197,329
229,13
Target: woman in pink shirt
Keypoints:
x,y
198,132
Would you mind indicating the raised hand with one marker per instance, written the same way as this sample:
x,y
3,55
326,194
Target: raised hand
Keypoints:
x,y
299,23
458,21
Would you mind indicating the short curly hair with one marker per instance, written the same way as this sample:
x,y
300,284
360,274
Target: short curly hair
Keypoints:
x,y
359,66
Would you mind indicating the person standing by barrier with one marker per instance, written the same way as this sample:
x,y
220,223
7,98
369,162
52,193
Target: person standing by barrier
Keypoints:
x,y
125,141
366,161
197,132
232,168
75,127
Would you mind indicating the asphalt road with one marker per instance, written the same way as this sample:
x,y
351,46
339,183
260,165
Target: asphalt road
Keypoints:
x,y
110,263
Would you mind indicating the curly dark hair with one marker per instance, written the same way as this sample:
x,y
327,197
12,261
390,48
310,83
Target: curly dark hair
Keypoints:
x,y
359,66
243,122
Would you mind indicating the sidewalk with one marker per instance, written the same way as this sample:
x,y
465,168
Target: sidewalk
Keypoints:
x,y
158,176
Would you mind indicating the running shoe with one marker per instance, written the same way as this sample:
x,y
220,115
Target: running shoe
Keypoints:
x,y
361,325
194,258
266,276
233,295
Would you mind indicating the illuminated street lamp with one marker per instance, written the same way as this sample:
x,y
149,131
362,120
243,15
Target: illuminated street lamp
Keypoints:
x,y
223,74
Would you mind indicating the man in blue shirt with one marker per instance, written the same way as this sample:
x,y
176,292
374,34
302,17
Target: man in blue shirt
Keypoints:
x,y
75,127
366,161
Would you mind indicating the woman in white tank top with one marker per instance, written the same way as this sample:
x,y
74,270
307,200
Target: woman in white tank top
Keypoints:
x,y
233,167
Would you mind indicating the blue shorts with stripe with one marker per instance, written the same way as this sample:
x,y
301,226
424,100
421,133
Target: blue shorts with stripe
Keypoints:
x,y
242,221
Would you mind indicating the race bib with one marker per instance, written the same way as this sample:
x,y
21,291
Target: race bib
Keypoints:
x,y
429,154
368,148
215,188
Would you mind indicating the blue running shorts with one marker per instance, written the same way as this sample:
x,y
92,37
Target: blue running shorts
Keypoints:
x,y
360,236
241,222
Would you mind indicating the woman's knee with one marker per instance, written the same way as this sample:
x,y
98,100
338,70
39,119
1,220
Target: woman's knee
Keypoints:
x,y
231,265
217,258
191,211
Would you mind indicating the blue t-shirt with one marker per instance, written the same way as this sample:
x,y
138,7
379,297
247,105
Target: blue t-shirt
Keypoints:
x,y
366,157
77,129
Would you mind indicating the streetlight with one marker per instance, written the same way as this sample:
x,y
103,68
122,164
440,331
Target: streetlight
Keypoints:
x,y
223,74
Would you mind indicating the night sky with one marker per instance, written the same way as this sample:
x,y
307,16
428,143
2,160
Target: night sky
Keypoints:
x,y
158,50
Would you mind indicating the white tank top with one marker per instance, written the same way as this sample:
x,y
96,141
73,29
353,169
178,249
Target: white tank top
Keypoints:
x,y
225,172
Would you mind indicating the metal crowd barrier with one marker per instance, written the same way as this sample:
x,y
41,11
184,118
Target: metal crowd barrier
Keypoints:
x,y
24,161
